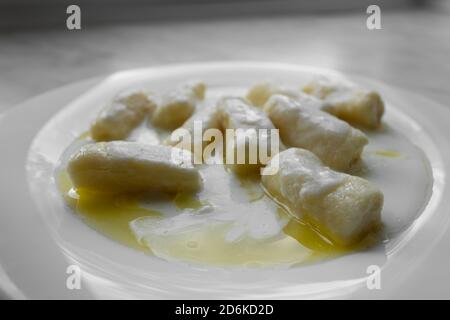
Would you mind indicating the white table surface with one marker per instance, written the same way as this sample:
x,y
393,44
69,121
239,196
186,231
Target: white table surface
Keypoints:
x,y
412,51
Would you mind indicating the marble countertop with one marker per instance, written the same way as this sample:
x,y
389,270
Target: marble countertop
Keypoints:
x,y
411,51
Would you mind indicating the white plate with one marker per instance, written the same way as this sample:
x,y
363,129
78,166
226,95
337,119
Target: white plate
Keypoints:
x,y
40,238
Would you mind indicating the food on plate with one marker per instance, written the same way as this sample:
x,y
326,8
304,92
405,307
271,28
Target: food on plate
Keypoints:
x,y
121,116
355,105
343,207
249,127
303,125
185,137
122,166
253,129
259,93
289,201
178,105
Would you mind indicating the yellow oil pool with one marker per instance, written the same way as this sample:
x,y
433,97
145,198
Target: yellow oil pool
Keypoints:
x,y
110,215
207,246
188,201
387,153
84,136
206,243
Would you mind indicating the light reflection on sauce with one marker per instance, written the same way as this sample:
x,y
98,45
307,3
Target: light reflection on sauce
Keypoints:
x,y
111,216
311,237
206,245
306,235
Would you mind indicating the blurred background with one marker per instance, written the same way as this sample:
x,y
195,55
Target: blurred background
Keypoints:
x,y
39,53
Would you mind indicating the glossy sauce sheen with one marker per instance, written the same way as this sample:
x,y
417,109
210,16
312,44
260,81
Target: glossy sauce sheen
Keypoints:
x,y
298,243
232,222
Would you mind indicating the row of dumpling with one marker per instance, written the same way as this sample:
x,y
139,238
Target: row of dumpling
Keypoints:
x,y
317,143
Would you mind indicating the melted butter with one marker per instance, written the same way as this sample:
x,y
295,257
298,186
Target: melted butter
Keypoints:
x,y
84,136
313,236
307,235
111,215
188,201
387,153
206,245
108,214
206,242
